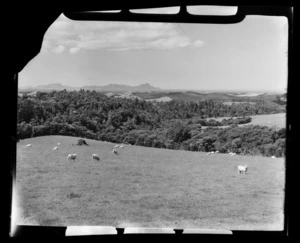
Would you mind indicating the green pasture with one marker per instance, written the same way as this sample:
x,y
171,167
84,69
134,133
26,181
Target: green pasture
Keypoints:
x,y
145,187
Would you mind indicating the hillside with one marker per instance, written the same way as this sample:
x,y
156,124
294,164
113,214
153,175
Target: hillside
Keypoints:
x,y
145,187
55,86
175,124
202,96
276,121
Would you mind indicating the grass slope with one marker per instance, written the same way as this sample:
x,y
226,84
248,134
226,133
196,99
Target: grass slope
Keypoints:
x,y
145,187
276,121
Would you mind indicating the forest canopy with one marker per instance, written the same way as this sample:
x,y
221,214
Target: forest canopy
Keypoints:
x,y
173,125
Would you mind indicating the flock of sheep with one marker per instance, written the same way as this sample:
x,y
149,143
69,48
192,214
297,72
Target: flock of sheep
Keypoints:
x,y
242,169
95,156
72,157
215,152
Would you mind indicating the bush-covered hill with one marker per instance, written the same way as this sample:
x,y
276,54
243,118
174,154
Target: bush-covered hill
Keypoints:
x,y
174,125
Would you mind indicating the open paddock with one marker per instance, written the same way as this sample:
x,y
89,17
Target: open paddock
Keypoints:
x,y
276,121
146,187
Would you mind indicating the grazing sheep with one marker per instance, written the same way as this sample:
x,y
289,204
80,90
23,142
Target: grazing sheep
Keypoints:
x,y
55,148
58,144
28,145
72,157
242,169
96,157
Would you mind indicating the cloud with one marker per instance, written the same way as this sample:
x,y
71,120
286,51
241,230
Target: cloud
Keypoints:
x,y
58,49
170,43
112,36
74,50
198,43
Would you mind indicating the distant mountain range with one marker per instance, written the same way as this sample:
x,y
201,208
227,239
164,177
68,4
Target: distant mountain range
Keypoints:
x,y
122,87
109,87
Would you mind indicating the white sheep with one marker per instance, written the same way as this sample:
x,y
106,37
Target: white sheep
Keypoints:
x,y
72,157
242,169
96,157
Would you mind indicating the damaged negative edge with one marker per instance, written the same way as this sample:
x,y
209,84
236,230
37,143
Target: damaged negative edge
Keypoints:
x,y
109,230
90,230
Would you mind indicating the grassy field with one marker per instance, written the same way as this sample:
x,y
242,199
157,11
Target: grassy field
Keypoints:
x,y
276,121
145,187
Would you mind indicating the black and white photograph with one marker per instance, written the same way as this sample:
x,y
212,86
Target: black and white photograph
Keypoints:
x,y
167,125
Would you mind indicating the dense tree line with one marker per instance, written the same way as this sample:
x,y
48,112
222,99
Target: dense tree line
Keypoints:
x,y
172,125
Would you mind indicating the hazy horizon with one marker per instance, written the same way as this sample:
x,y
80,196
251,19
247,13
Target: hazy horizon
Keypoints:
x,y
169,89
249,56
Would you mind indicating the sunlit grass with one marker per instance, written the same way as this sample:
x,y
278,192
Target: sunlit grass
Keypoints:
x,y
147,187
276,121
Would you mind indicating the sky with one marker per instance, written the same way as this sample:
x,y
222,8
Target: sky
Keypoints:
x,y
248,56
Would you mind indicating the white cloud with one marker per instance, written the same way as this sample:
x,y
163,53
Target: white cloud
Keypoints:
x,y
77,35
198,43
74,50
58,49
170,43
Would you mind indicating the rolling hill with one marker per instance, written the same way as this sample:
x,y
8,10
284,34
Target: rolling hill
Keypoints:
x,y
148,92
276,121
110,87
201,96
145,187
